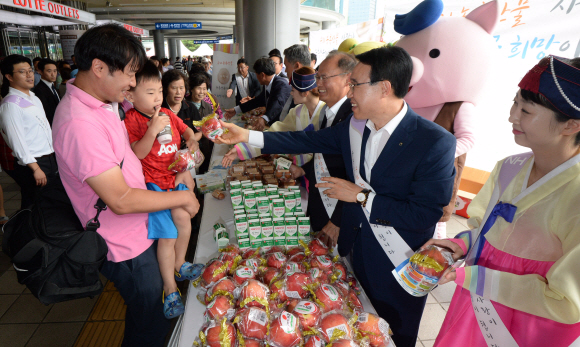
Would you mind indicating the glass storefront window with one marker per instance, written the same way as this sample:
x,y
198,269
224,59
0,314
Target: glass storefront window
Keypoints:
x,y
27,44
14,42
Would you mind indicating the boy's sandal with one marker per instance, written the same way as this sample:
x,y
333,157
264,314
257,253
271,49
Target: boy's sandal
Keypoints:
x,y
188,271
173,305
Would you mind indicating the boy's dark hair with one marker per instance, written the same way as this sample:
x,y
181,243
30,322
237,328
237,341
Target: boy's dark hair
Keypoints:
x,y
279,57
43,62
170,77
7,68
35,60
242,61
65,73
265,65
197,80
164,60
114,45
391,64
148,72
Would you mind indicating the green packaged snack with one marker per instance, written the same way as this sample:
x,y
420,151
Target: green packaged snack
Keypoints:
x,y
252,216
278,208
267,233
299,214
239,210
246,185
236,196
241,223
255,231
244,243
249,200
260,192
221,235
279,232
263,205
304,228
289,202
291,231
235,185
289,214
270,191
271,203
257,185
298,199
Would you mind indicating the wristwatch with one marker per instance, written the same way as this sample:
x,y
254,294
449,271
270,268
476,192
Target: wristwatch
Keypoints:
x,y
362,197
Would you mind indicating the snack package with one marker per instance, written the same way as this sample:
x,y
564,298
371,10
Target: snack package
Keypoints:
x,y
284,331
252,293
308,313
210,126
185,160
219,334
374,327
252,322
419,274
218,194
220,307
335,320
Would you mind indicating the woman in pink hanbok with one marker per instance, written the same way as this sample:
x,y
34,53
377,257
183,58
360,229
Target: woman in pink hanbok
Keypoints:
x,y
520,285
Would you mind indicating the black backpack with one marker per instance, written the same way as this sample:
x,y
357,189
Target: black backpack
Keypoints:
x,y
54,256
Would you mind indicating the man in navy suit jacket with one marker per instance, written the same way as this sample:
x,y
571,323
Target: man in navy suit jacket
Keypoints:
x,y
275,92
408,162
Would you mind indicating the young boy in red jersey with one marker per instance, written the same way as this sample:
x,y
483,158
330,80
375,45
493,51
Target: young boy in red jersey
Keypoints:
x,y
171,228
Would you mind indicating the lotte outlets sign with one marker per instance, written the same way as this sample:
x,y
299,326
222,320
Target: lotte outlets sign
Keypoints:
x,y
52,8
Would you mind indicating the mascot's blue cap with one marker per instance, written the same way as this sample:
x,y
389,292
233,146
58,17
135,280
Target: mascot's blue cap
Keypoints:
x,y
421,17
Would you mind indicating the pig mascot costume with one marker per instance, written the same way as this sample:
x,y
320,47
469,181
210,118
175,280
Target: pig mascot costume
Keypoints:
x,y
451,60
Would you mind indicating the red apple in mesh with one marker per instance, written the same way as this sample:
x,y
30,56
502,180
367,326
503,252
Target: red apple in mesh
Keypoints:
x,y
308,313
290,304
293,267
251,253
254,263
317,275
269,274
212,128
231,247
354,301
225,256
374,327
276,260
329,296
213,335
317,247
296,285
279,287
294,250
209,274
224,284
285,331
253,323
322,262
423,261
219,307
298,257
314,341
342,287
253,289
340,271
244,273
275,249
253,343
334,321
344,343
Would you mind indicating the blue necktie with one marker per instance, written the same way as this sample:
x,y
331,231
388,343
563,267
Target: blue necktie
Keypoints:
x,y
507,211
55,93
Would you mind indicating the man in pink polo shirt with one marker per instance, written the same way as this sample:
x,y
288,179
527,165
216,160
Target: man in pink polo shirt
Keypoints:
x,y
91,145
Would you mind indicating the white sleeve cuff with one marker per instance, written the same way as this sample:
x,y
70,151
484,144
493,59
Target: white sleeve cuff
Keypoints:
x,y
266,119
369,205
256,139
238,110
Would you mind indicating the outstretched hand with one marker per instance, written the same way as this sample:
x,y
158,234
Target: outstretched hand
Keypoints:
x,y
234,135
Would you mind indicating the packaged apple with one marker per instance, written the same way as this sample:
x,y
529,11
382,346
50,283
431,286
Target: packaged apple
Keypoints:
x,y
269,274
254,263
185,160
335,325
255,230
252,322
243,342
353,301
276,260
419,274
313,341
214,270
224,286
218,334
339,271
297,257
252,293
297,285
317,275
308,314
243,273
322,262
328,297
220,307
318,247
210,126
251,253
292,266
374,328
284,330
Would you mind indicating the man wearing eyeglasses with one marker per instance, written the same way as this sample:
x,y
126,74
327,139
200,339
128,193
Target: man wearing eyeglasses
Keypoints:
x,y
244,84
25,129
400,176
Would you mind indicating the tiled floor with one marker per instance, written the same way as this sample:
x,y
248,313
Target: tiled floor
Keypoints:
x,y
99,321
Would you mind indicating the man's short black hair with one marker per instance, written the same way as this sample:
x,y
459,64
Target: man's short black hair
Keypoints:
x,y
391,64
44,62
279,57
313,57
196,80
7,68
149,72
114,45
65,73
265,65
242,61
36,59
275,51
170,77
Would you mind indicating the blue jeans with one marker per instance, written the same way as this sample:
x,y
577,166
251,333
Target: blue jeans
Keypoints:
x,y
139,283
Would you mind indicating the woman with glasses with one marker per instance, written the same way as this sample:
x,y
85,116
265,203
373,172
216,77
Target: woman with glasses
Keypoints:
x,y
25,129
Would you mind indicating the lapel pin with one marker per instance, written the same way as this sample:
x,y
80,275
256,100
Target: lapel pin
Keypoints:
x,y
400,143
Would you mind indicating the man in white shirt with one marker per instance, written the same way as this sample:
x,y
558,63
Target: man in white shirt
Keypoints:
x,y
400,176
25,129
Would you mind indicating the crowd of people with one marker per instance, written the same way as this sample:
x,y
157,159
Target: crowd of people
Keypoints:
x,y
387,168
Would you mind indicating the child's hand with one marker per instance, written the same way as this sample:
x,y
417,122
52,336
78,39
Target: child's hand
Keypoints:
x,y
157,122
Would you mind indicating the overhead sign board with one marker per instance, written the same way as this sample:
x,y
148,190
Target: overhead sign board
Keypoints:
x,y
196,42
226,37
51,8
161,26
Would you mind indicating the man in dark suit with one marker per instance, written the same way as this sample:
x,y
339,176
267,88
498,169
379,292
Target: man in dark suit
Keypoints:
x,y
405,160
244,84
45,89
275,92
332,80
278,64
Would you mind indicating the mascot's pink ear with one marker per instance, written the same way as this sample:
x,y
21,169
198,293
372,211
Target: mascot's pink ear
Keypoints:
x,y
486,15
418,70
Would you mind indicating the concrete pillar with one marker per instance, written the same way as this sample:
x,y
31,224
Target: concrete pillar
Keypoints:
x,y
270,24
159,44
328,24
178,46
172,50
239,27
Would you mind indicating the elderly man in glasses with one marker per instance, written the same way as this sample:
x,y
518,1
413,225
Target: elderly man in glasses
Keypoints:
x,y
400,176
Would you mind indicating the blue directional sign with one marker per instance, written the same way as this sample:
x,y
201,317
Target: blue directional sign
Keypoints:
x,y
192,25
198,42
227,37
